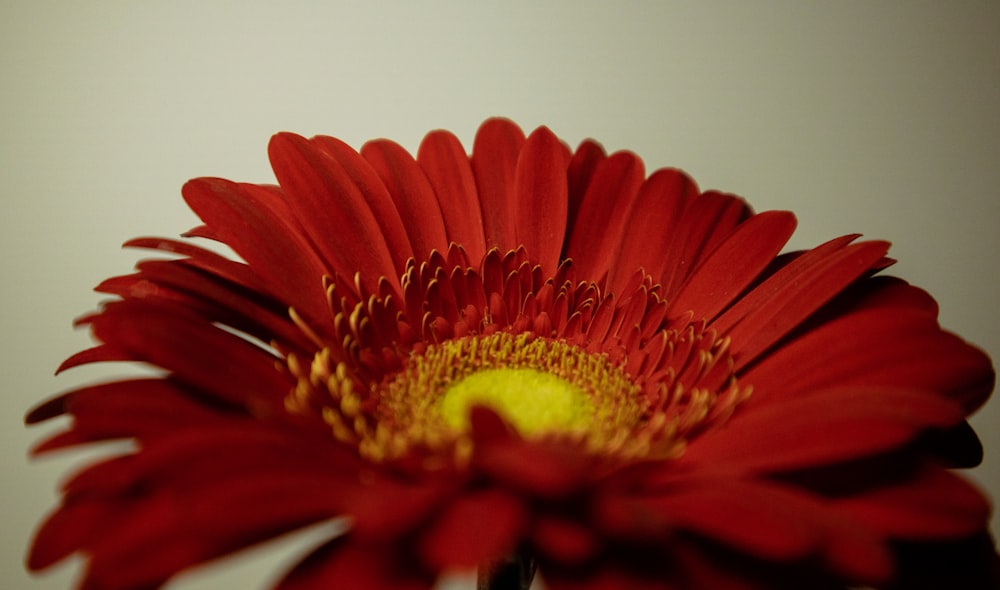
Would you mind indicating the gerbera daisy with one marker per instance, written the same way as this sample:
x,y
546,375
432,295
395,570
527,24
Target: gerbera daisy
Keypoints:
x,y
527,359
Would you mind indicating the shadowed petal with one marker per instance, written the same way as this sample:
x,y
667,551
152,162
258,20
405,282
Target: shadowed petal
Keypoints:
x,y
200,354
933,504
344,563
821,428
897,347
475,528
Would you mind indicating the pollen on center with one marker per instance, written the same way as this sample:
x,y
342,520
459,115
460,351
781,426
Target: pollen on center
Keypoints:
x,y
532,401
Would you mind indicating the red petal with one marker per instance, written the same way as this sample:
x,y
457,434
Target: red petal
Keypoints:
x,y
260,228
565,541
652,226
789,296
206,260
704,224
232,447
98,354
600,224
447,167
154,538
541,468
138,408
413,195
332,211
821,428
477,527
188,498
178,283
540,203
494,159
65,531
216,362
364,178
892,347
733,265
386,509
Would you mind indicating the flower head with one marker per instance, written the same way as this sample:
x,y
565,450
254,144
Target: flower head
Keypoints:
x,y
529,351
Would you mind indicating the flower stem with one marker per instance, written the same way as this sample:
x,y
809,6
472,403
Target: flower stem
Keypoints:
x,y
510,573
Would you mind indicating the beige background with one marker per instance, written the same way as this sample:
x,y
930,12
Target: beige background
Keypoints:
x,y
873,117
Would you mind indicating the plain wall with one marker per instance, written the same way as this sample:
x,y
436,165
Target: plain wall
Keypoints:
x,y
875,117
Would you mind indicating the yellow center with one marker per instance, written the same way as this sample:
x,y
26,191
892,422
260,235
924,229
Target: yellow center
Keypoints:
x,y
532,401
540,387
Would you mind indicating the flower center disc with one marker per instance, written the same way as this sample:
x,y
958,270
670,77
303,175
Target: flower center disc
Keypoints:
x,y
540,387
532,401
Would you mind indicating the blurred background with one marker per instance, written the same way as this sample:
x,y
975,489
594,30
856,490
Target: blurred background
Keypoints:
x,y
875,117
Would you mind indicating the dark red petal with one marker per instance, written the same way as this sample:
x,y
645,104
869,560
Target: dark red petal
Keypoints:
x,y
652,226
140,408
476,527
599,226
787,298
384,508
578,175
443,159
344,563
214,361
757,518
934,504
180,284
65,531
413,195
259,504
540,199
821,428
541,468
142,518
232,271
154,538
882,292
261,229
495,155
892,347
733,265
332,211
563,540
97,354
48,409
958,447
612,577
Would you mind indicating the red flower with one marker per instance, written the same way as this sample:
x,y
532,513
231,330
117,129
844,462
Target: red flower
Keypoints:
x,y
527,352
